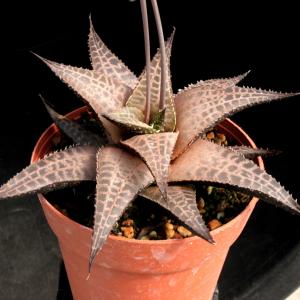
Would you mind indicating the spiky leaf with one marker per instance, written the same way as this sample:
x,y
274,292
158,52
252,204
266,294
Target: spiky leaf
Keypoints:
x,y
113,132
198,111
213,84
104,94
156,151
252,153
131,118
138,97
105,62
208,162
120,176
182,203
55,171
72,129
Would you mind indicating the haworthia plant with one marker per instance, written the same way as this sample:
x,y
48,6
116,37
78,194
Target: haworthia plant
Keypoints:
x,y
155,143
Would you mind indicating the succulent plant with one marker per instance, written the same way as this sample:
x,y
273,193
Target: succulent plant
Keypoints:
x,y
153,137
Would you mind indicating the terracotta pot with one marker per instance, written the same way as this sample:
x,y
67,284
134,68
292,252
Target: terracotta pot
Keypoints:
x,y
133,269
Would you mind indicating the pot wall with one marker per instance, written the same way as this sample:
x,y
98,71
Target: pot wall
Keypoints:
x,y
148,270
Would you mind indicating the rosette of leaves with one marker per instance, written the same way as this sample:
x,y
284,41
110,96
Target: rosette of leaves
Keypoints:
x,y
153,137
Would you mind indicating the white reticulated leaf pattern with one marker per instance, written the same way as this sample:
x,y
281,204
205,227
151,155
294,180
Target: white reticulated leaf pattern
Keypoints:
x,y
209,162
156,150
138,97
198,111
120,177
57,170
182,203
131,118
104,94
105,62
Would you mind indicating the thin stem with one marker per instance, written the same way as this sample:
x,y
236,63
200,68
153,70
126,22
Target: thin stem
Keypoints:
x,y
147,55
163,62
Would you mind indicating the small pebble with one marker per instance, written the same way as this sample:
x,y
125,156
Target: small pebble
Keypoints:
x,y
213,224
128,232
201,203
183,231
152,234
209,189
221,137
220,215
210,135
169,230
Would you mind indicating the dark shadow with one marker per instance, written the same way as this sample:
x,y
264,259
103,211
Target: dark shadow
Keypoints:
x,y
64,290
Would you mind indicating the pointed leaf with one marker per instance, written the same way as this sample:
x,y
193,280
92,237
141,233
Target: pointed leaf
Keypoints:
x,y
74,130
182,203
131,118
209,162
105,62
120,176
252,153
138,97
113,132
55,171
104,94
213,84
156,151
198,111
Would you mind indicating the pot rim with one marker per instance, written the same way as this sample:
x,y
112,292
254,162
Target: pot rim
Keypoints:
x,y
52,130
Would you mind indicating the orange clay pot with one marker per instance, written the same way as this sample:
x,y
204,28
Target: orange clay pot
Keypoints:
x,y
133,269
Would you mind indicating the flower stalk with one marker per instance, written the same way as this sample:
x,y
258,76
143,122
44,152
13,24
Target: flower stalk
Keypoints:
x,y
147,56
163,54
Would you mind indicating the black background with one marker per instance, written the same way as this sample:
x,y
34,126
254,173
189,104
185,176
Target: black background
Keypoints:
x,y
212,40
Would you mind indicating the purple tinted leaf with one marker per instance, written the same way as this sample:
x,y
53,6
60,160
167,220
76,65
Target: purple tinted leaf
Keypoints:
x,y
208,162
105,62
131,118
197,110
182,203
156,151
104,94
213,84
55,171
120,176
252,153
74,130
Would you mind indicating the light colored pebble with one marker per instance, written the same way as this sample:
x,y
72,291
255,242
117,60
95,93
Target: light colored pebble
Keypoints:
x,y
201,203
183,231
128,232
210,135
152,234
221,137
213,224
